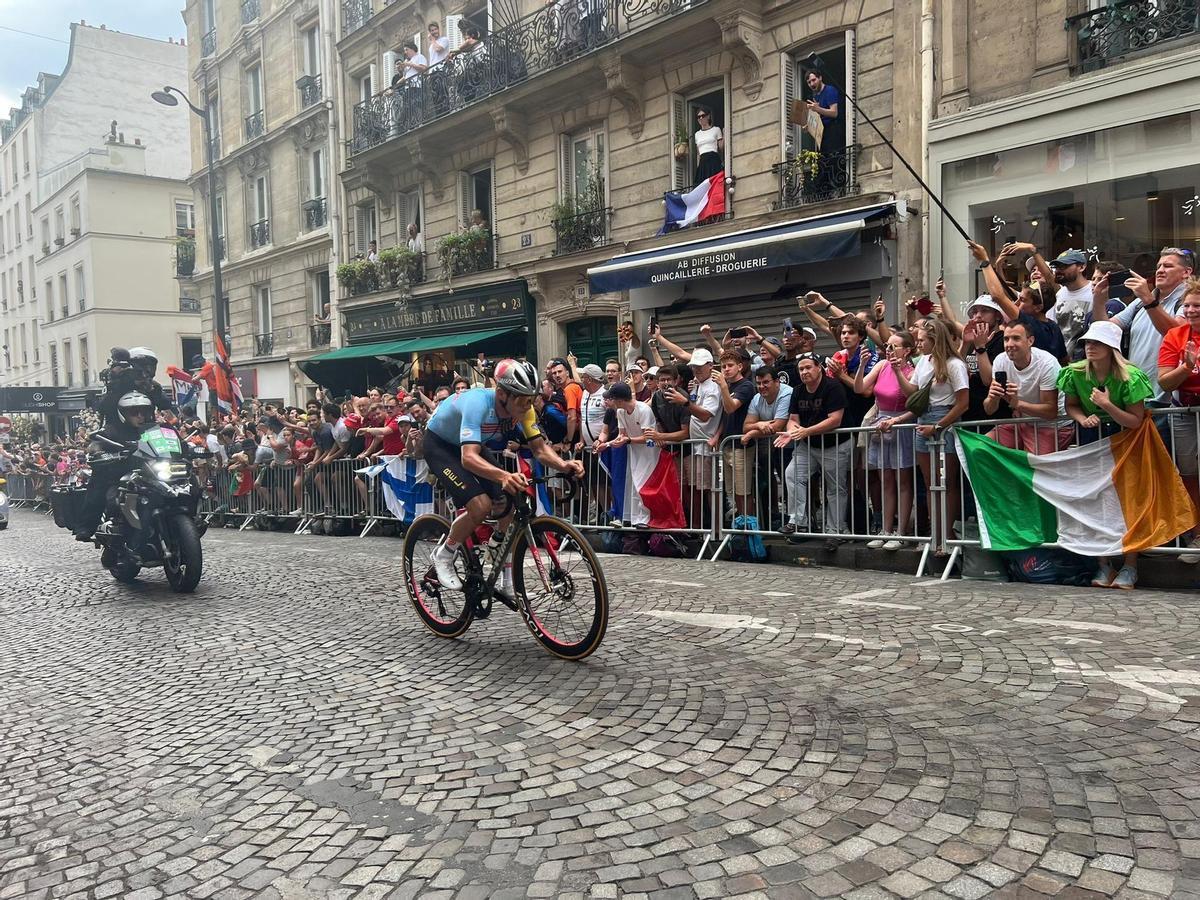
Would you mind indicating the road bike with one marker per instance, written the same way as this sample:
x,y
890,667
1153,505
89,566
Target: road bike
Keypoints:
x,y
558,585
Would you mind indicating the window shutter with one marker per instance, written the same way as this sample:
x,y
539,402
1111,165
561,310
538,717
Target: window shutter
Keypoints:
x,y
416,39
789,141
851,83
361,229
465,200
373,80
453,35
679,172
403,218
389,67
566,183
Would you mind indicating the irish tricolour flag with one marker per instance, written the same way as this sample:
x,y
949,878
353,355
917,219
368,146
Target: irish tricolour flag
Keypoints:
x,y
1119,495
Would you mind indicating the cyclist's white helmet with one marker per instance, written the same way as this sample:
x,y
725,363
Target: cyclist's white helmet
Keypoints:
x,y
134,401
144,358
517,377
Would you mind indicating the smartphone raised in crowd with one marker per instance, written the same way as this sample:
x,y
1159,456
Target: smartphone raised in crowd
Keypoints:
x,y
653,326
788,327
1116,284
1001,379
737,332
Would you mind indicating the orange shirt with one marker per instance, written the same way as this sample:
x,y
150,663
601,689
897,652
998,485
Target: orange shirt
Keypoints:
x,y
574,394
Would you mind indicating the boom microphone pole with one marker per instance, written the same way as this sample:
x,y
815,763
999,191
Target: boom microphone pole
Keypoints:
x,y
816,63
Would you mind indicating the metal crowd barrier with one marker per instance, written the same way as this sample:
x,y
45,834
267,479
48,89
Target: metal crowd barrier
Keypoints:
x,y
854,484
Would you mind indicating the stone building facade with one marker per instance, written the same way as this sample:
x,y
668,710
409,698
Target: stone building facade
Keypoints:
x,y
575,107
1069,127
259,68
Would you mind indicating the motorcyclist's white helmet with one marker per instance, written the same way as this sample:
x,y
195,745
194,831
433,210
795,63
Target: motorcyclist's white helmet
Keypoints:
x,y
135,402
145,359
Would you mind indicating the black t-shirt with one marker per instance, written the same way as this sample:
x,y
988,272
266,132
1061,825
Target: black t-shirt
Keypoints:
x,y
323,437
1046,335
671,416
813,408
977,390
735,421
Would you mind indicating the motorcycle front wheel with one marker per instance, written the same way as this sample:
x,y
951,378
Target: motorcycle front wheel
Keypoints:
x,y
125,571
185,559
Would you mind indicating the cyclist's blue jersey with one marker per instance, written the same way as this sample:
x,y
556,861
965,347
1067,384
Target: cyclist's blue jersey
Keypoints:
x,y
471,418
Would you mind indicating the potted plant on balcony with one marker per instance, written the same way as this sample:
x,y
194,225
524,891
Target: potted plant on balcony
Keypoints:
x,y
185,255
683,145
358,276
462,252
398,266
578,219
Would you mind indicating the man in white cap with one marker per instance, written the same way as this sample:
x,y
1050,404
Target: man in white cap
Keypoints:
x,y
593,415
982,339
703,404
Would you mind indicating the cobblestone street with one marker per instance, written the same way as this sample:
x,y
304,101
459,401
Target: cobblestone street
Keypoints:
x,y
292,731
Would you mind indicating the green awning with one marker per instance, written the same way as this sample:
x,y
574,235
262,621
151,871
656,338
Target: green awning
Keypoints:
x,y
419,345
387,348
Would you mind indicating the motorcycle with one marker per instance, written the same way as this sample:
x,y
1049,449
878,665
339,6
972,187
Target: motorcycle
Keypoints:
x,y
4,505
150,515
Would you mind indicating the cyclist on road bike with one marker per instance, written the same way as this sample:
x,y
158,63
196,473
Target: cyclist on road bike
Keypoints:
x,y
456,451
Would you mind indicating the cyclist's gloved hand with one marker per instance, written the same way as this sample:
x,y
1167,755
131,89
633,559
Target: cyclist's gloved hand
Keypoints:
x,y
514,483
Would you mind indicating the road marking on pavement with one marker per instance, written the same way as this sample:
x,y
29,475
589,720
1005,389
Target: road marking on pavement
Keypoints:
x,y
676,583
842,639
712,620
778,594
931,582
1076,626
1136,678
860,599
874,592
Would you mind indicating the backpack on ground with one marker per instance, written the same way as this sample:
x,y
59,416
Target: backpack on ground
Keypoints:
x,y
1049,565
747,547
665,545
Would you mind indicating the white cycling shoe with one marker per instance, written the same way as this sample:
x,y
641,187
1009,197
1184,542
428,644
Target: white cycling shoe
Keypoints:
x,y
444,566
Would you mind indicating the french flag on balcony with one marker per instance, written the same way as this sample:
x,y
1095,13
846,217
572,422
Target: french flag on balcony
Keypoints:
x,y
704,200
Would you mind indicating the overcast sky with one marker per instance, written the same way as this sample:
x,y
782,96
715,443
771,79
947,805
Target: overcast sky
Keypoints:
x,y
23,56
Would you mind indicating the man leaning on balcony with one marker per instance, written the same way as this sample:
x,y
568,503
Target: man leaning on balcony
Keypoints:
x,y
826,102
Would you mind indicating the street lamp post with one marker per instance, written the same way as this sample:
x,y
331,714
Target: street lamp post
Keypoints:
x,y
167,98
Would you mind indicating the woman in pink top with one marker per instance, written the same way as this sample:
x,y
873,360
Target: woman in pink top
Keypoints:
x,y
891,450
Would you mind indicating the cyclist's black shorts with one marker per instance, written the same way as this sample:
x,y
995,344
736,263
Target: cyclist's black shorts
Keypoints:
x,y
445,462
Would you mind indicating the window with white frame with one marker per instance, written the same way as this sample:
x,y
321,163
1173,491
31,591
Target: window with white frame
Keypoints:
x,y
54,379
85,364
366,227
45,231
254,89
261,199
76,216
686,109
213,108
310,42
60,226
364,83
262,308
319,291
477,197
409,212
48,287
185,218
316,174
68,363
220,204
64,298
80,288
582,167
839,54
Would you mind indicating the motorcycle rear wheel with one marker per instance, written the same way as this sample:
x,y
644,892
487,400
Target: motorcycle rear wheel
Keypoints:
x,y
186,565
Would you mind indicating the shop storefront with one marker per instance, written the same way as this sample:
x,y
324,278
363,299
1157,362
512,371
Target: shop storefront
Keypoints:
x,y
441,333
753,277
1122,194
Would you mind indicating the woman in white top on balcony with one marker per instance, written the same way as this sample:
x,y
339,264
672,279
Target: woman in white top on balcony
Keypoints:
x,y
710,146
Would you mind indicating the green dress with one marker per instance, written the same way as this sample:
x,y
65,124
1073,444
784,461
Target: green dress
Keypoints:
x,y
1074,381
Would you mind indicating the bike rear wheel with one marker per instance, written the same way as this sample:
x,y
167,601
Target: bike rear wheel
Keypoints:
x,y
445,612
560,588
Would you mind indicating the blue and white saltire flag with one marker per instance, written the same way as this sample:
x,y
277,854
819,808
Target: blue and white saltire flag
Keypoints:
x,y
406,490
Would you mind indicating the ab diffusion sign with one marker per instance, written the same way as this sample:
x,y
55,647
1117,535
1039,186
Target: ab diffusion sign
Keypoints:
x,y
441,314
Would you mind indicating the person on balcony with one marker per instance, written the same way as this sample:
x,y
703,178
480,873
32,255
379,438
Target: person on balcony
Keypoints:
x,y
472,68
416,243
710,146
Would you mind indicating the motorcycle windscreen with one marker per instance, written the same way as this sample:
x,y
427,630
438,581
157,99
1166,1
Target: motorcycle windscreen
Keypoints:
x,y
160,443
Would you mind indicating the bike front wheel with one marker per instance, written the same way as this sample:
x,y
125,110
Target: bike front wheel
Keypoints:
x,y
445,612
560,588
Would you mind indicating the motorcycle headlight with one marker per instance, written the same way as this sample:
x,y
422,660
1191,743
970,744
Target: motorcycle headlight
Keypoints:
x,y
162,469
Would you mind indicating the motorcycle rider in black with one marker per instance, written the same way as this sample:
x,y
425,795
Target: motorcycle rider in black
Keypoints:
x,y
132,370
133,411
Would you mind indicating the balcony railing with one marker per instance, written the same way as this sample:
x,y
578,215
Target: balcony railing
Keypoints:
x,y
249,11
582,231
355,14
255,125
264,344
318,334
310,90
463,253
208,43
189,305
260,234
185,256
549,37
314,214
1125,27
814,177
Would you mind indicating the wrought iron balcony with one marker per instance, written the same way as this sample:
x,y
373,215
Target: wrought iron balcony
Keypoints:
x,y
249,11
814,177
1125,27
582,231
208,43
310,90
355,14
260,234
189,305
463,253
314,214
545,39
264,344
255,125
318,334
185,255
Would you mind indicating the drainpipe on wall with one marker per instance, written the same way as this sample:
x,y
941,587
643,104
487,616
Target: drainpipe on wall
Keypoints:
x,y
927,19
333,79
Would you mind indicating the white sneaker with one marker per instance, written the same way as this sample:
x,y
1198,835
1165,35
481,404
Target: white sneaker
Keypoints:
x,y
443,564
1191,558
296,512
893,544
878,543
